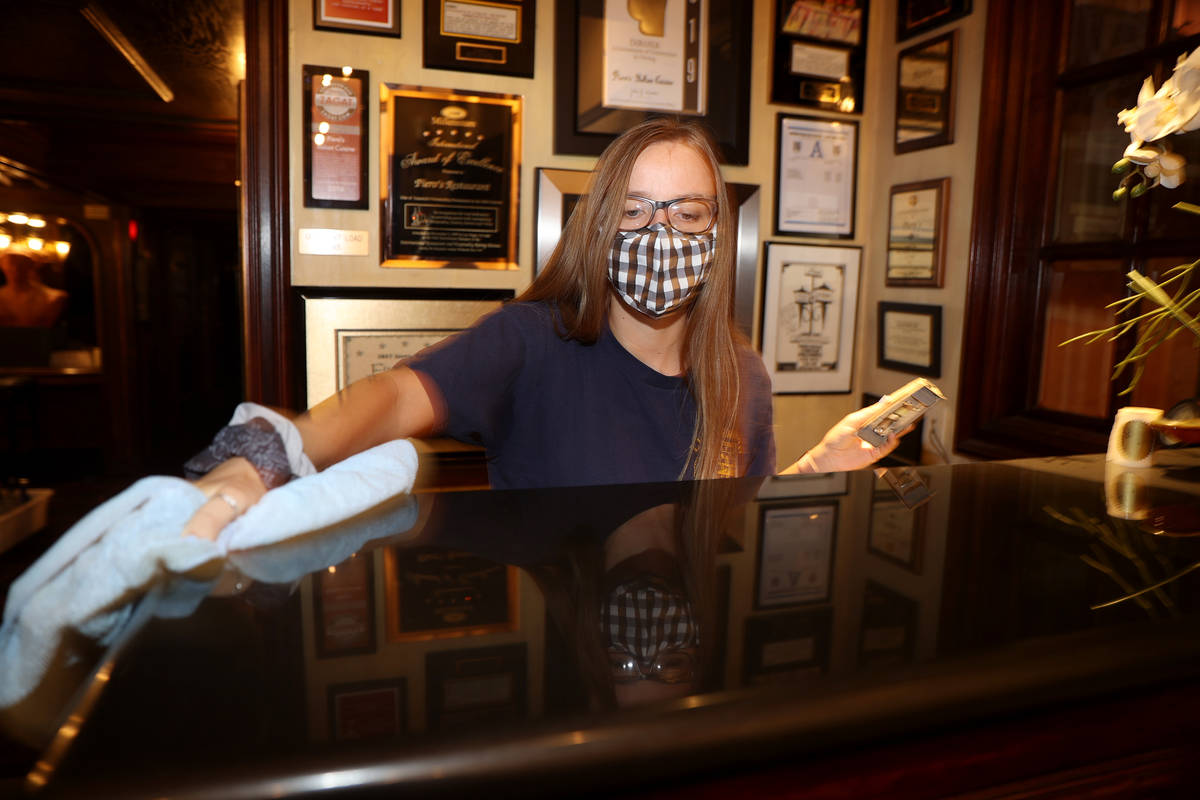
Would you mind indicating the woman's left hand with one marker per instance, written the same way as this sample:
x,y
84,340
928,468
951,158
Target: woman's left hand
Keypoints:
x,y
841,449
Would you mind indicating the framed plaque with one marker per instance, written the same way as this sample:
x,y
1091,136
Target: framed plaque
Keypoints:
x,y
344,608
816,171
368,709
809,306
379,17
434,593
888,635
492,36
914,17
925,95
789,648
897,532
619,62
468,688
916,251
910,338
795,554
336,137
819,53
450,170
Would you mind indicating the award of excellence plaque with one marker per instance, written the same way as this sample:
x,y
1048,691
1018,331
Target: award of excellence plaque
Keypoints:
x,y
335,147
450,166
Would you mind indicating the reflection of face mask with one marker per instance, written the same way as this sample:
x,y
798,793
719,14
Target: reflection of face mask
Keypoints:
x,y
657,269
644,617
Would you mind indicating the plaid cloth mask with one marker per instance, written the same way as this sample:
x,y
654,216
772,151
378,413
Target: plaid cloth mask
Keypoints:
x,y
643,617
656,269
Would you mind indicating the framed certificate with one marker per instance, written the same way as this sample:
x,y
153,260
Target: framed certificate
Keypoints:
x,y
916,251
336,137
789,648
925,95
368,709
795,554
468,688
450,170
819,53
809,306
910,338
491,36
618,62
815,176
379,17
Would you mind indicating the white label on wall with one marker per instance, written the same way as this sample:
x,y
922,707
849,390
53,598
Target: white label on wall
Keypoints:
x,y
333,242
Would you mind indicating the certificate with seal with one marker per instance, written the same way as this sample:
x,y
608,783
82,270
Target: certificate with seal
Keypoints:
x,y
815,178
450,164
335,146
654,55
916,230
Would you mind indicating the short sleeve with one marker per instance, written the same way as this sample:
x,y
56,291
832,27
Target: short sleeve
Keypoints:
x,y
473,372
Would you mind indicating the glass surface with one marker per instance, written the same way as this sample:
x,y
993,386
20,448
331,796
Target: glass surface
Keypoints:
x,y
1075,377
1090,144
783,592
1104,29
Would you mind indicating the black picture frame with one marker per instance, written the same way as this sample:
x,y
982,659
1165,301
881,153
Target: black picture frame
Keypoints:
x,y
925,94
917,346
792,647
365,710
797,543
343,599
468,688
354,129
819,55
915,17
727,106
888,635
326,19
498,40
808,150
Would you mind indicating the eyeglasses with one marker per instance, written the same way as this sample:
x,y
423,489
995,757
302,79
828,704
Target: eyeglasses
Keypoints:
x,y
672,666
684,214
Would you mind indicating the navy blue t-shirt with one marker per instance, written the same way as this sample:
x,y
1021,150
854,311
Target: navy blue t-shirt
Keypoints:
x,y
556,412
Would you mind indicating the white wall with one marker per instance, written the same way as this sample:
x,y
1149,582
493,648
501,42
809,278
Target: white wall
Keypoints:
x,y
800,419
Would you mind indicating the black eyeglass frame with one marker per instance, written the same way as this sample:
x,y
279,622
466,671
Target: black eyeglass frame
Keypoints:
x,y
655,205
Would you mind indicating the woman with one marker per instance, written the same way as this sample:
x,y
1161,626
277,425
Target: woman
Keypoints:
x,y
619,364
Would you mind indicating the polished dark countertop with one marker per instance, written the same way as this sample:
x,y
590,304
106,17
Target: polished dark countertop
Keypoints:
x,y
470,646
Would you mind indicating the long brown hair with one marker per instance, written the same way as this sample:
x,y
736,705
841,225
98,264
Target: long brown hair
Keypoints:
x,y
576,279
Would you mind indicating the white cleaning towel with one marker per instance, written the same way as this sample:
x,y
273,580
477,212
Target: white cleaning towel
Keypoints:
x,y
89,579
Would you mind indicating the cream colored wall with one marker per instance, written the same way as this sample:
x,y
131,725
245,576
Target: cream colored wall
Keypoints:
x,y
800,419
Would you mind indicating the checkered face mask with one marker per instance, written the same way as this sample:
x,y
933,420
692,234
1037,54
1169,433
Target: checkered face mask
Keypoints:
x,y
644,618
657,269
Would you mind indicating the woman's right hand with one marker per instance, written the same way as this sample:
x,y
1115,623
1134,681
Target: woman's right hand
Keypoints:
x,y
231,488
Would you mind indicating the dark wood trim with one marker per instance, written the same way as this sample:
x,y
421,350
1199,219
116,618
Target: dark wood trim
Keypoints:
x,y
266,223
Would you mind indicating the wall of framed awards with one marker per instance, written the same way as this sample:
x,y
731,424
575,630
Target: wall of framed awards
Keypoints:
x,y
843,126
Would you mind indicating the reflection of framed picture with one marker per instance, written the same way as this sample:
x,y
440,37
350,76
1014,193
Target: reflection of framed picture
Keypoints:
x,y
802,485
917,216
335,137
795,554
889,627
558,192
490,36
347,337
433,593
910,338
820,51
787,648
467,688
449,178
897,532
816,168
925,95
344,608
914,17
368,709
618,63
380,17
809,305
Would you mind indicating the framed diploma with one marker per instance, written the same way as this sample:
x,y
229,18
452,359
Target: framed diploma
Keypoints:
x,y
618,62
819,53
336,137
917,233
910,338
379,17
889,627
795,554
790,648
491,36
468,688
809,306
897,532
925,95
815,176
914,17
450,169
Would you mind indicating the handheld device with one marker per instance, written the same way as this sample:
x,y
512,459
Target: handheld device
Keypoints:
x,y
907,405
